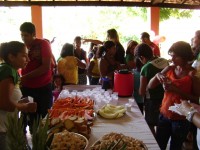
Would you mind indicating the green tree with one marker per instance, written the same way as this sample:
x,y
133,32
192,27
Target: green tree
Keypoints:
x,y
166,13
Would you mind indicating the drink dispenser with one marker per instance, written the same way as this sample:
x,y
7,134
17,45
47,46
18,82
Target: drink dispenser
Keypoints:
x,y
123,82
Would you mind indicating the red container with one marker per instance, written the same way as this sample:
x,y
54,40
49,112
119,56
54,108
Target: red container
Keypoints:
x,y
123,83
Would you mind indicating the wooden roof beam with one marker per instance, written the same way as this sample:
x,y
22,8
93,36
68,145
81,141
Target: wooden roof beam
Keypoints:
x,y
97,3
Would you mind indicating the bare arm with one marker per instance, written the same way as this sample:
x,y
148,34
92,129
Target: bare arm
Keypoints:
x,y
196,119
194,96
81,64
158,78
90,67
103,67
6,104
6,88
186,107
86,60
46,65
93,41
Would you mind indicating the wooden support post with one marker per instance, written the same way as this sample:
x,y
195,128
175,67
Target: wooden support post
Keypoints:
x,y
154,19
36,13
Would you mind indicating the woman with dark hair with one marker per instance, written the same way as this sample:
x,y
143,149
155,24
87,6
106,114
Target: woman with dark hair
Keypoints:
x,y
178,81
112,35
15,56
108,63
129,58
68,64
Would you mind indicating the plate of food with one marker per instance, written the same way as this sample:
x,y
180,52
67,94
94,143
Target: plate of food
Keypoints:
x,y
109,111
118,141
69,141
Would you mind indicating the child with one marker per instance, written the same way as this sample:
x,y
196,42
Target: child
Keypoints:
x,y
93,68
14,55
58,82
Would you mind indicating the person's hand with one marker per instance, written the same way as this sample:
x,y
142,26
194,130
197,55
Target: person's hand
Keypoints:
x,y
162,78
31,107
26,99
169,87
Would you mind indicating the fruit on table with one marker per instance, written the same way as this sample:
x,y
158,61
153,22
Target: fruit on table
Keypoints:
x,y
111,111
71,114
69,124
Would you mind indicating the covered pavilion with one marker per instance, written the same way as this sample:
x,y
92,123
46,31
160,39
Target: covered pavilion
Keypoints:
x,y
36,7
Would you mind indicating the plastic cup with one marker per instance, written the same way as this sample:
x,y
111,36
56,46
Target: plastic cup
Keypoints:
x,y
128,107
115,93
131,101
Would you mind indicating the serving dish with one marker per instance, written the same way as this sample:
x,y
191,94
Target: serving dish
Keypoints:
x,y
86,140
118,141
69,141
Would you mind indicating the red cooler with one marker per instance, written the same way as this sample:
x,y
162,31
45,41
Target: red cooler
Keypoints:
x,y
123,83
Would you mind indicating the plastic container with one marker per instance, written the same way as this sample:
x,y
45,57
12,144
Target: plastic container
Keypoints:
x,y
123,83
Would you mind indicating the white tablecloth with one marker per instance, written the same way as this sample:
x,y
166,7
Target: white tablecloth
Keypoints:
x,y
131,124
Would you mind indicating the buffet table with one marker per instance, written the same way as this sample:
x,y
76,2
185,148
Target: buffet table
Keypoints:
x,y
131,124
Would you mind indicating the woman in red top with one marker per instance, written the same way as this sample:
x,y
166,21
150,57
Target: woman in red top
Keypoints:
x,y
178,81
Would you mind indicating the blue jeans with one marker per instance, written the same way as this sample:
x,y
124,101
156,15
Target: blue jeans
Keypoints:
x,y
177,130
43,97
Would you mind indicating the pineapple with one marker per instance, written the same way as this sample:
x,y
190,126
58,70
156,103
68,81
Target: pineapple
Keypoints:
x,y
15,135
16,139
39,136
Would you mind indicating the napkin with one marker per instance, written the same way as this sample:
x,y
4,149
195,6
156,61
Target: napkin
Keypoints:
x,y
30,99
175,108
